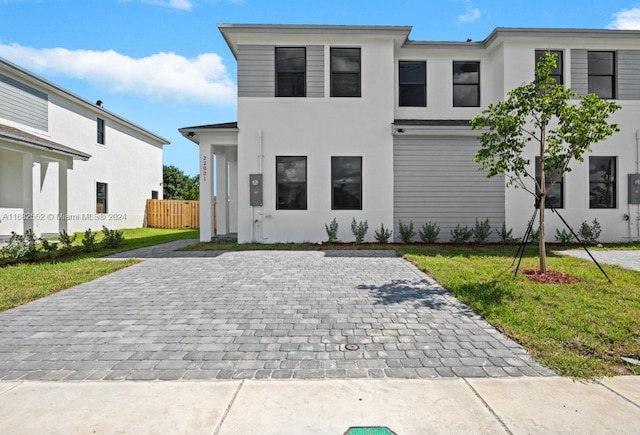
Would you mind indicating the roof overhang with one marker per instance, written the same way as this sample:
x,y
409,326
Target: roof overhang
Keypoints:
x,y
23,139
223,134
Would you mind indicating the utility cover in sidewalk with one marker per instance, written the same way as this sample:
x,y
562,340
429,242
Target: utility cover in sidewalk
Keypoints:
x,y
369,431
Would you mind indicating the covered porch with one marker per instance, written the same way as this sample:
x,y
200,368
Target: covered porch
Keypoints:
x,y
218,178
33,182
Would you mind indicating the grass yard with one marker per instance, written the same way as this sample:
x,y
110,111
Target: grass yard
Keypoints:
x,y
26,282
580,330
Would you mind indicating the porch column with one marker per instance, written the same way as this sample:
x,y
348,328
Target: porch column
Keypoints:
x,y
31,192
62,196
221,191
206,192
232,155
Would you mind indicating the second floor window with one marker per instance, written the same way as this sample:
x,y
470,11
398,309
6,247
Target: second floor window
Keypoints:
x,y
345,72
412,84
556,73
101,135
291,63
466,84
291,183
602,78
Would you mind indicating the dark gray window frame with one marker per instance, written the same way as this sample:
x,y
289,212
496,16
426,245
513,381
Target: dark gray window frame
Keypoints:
x,y
476,84
409,83
100,127
282,183
613,195
334,91
613,75
558,73
278,72
333,184
102,200
559,185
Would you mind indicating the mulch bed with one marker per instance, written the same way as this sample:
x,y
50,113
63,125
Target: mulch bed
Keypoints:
x,y
550,277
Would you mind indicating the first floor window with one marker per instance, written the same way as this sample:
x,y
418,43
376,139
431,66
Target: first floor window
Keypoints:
x,y
101,197
346,183
555,195
291,183
154,194
100,137
602,182
466,84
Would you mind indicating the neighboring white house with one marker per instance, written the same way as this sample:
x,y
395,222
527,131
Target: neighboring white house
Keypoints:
x,y
69,164
360,122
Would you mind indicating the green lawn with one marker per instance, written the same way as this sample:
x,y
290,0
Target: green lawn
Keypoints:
x,y
26,282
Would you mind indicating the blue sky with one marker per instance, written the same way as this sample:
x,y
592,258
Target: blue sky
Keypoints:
x,y
163,64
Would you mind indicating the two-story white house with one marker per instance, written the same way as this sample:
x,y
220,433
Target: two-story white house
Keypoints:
x,y
69,164
361,122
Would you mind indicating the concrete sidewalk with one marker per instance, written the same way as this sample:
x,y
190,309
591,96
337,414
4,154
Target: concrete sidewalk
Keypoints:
x,y
461,405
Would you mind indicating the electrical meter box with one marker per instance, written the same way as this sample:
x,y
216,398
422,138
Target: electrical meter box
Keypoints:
x,y
255,193
634,188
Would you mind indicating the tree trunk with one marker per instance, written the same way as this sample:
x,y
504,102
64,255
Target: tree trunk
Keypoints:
x,y
541,243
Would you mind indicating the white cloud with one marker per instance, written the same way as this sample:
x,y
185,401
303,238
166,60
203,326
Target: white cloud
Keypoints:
x,y
472,13
626,19
159,77
184,5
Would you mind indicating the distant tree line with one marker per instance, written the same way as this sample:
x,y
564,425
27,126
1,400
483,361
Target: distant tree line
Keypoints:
x,y
178,185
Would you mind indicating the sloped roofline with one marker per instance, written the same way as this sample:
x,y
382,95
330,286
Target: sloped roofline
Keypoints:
x,y
78,99
16,135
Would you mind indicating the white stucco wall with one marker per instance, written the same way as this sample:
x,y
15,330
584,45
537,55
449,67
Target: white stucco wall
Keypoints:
x,y
320,128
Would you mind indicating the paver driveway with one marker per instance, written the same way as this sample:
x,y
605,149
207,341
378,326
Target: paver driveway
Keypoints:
x,y
256,315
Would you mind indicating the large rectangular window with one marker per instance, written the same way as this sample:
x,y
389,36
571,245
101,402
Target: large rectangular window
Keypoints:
x,y
602,182
291,183
555,196
345,72
291,66
346,183
101,197
466,84
412,84
100,132
602,73
556,73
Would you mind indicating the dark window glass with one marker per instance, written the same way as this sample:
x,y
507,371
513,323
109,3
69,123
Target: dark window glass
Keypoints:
x,y
345,72
100,138
291,183
466,84
413,84
602,73
556,73
154,194
602,182
346,183
555,196
291,65
101,197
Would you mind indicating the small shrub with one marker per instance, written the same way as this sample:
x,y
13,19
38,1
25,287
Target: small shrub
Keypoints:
x,y
460,235
406,232
589,234
48,247
505,236
563,237
383,234
89,241
332,231
429,232
15,248
482,231
112,238
359,230
534,236
66,240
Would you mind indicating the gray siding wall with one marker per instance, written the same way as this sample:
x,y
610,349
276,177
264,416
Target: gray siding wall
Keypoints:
x,y
23,104
628,75
435,180
315,71
256,70
579,72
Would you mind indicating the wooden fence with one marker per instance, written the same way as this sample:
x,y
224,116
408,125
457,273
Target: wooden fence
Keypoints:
x,y
173,213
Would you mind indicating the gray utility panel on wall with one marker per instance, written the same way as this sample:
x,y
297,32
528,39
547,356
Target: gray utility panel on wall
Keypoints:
x,y
634,188
255,187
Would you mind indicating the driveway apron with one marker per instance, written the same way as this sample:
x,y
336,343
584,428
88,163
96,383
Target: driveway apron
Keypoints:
x,y
256,315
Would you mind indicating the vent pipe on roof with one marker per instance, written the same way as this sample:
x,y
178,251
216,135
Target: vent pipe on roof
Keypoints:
x,y
99,103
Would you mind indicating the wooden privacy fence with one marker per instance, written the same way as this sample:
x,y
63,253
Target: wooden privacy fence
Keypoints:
x,y
173,213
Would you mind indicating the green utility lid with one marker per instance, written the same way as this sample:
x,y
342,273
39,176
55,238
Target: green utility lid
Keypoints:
x,y
369,431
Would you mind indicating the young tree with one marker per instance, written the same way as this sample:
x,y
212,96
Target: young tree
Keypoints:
x,y
542,112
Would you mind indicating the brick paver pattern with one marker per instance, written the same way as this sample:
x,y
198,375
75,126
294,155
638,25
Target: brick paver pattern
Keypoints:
x,y
256,315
